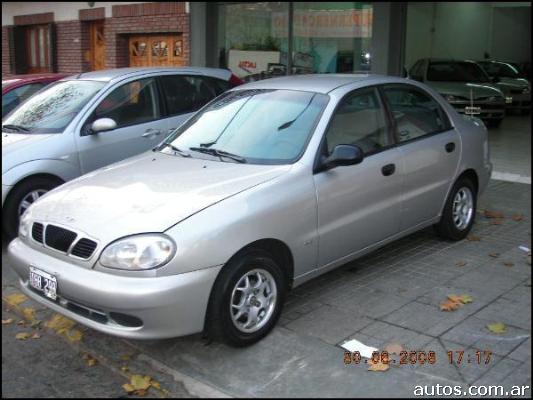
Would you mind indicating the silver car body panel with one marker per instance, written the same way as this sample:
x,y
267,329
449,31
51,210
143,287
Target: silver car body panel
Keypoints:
x,y
211,213
68,154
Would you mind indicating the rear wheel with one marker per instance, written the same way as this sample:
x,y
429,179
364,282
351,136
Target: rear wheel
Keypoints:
x,y
246,299
22,196
459,211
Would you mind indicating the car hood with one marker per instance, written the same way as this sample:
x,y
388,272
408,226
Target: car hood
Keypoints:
x,y
147,193
513,83
462,89
13,142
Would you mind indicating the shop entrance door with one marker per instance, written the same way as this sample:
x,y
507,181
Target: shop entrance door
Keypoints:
x,y
156,50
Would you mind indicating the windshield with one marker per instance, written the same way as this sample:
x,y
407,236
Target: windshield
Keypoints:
x,y
52,109
258,126
456,71
501,70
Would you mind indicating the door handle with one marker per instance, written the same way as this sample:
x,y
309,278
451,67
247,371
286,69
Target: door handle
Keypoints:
x,y
450,147
150,133
388,169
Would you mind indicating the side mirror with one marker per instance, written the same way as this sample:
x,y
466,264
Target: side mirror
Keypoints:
x,y
342,155
102,125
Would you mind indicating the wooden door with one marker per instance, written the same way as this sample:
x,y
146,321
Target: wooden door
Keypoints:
x,y
156,50
38,49
97,52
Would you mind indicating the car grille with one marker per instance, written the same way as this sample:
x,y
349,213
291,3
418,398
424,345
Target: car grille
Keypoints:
x,y
37,232
84,248
62,239
517,91
59,238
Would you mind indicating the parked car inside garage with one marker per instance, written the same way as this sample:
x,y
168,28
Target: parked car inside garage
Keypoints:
x,y
273,183
512,83
93,119
16,89
465,85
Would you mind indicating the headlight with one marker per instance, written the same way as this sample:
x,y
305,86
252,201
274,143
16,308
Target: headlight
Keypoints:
x,y
138,252
526,90
24,225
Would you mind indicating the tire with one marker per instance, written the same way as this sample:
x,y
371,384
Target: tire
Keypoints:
x,y
494,123
448,226
219,322
10,212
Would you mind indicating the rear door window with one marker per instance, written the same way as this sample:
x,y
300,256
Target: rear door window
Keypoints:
x,y
185,94
415,112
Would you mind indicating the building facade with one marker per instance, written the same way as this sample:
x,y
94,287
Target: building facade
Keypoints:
x,y
253,39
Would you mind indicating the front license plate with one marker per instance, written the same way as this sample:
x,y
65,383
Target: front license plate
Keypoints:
x,y
43,282
508,100
473,110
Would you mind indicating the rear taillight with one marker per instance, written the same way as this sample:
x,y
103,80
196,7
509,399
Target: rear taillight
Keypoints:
x,y
235,81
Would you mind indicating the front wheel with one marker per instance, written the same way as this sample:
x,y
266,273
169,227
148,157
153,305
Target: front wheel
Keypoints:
x,y
246,299
20,198
459,211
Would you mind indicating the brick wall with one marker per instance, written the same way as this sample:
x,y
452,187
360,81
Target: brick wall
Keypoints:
x,y
73,41
69,46
6,67
117,30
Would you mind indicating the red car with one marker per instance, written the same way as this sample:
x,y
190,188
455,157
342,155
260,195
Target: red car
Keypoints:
x,y
18,88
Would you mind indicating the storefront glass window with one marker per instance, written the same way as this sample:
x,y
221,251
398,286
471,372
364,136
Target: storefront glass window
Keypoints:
x,y
331,37
246,41
327,37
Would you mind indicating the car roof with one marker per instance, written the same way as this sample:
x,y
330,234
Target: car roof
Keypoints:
x,y
111,74
14,81
319,83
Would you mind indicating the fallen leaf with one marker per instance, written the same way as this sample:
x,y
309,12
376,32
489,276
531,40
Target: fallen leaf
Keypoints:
x,y
22,336
124,368
473,238
140,382
494,255
497,327
518,217
128,388
450,305
36,336
496,222
7,321
60,323
74,335
21,322
156,384
36,324
460,263
378,367
454,298
140,392
508,263
16,299
29,313
394,348
466,298
493,214
90,360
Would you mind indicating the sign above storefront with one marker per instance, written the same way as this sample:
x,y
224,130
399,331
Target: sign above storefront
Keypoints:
x,y
325,23
243,63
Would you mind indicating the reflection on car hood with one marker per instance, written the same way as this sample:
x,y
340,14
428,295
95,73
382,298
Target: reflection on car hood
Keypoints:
x,y
147,193
463,89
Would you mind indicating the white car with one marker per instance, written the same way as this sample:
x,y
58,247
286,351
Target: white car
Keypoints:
x,y
87,121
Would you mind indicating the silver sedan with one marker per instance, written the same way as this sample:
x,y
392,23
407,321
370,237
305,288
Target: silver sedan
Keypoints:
x,y
267,186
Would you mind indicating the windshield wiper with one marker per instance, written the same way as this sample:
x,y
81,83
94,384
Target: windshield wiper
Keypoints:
x,y
16,128
219,153
179,151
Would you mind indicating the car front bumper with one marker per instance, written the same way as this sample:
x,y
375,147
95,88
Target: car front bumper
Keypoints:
x,y
130,307
489,110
